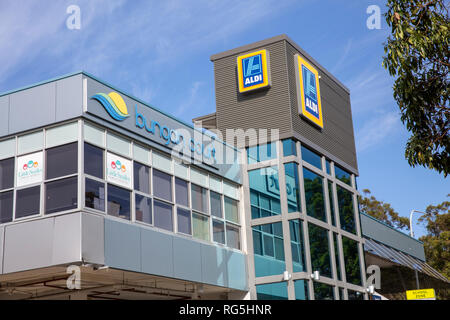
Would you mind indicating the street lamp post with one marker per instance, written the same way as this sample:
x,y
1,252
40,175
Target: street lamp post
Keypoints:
x,y
411,232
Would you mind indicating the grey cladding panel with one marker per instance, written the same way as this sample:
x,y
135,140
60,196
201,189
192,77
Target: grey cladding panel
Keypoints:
x,y
4,111
93,239
67,239
157,253
69,95
214,265
187,259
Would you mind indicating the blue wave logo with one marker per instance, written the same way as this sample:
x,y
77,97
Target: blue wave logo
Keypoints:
x,y
113,104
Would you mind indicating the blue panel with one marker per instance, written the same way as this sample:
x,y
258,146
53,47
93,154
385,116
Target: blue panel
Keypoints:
x,y
214,265
187,262
122,245
4,111
272,291
268,266
237,271
157,252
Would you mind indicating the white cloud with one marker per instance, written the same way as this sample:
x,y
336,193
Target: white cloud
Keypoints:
x,y
377,130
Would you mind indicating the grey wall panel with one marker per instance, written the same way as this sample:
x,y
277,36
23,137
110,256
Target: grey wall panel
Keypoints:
x,y
32,108
237,270
93,239
376,230
69,95
28,245
214,265
67,239
4,119
122,245
157,252
2,233
187,262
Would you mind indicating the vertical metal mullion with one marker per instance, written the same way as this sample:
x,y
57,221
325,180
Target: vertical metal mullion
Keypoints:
x,y
81,183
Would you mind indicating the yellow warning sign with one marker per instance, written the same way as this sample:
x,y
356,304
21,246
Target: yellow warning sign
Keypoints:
x,y
424,294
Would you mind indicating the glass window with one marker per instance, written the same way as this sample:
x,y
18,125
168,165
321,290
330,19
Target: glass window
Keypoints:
x,y
297,245
162,185
311,157
231,190
93,161
320,251
94,135
184,220
343,175
61,195
94,194
328,166
331,200
272,291
289,148
162,162
30,142
292,187
346,210
199,178
61,134
28,201
181,192
301,289
200,226
315,202
118,144
141,177
62,160
7,148
141,154
199,199
355,295
180,170
163,215
231,210
233,237
216,204
341,294
264,192
215,184
143,209
323,291
262,152
351,258
269,249
337,256
6,206
119,202
219,231
6,173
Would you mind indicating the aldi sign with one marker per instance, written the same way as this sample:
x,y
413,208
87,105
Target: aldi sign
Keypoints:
x,y
253,71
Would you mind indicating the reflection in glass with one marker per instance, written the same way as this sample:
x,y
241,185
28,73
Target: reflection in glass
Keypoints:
x,y
61,161
94,194
289,148
264,192
163,215
199,199
6,173
320,251
119,202
200,226
219,231
328,166
181,192
231,209
61,195
351,258
93,161
272,291
233,237
337,256
216,204
315,201
143,209
184,220
6,206
311,157
346,210
301,289
268,249
262,152
323,291
297,245
162,185
141,177
355,295
331,200
342,175
292,187
27,201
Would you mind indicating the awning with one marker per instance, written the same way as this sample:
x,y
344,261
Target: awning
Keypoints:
x,y
400,258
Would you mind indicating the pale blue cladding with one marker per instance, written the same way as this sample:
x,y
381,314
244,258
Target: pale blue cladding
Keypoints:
x,y
187,260
237,270
214,265
157,253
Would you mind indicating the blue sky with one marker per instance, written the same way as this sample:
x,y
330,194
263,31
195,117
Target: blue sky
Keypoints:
x,y
159,51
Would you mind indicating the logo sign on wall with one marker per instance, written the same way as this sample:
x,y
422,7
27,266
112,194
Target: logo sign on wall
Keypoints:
x,y
118,170
308,91
253,71
29,169
113,104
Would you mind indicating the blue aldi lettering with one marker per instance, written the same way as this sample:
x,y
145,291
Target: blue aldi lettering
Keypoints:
x,y
310,92
252,70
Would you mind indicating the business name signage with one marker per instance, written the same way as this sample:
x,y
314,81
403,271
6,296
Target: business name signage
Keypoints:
x,y
308,91
253,71
30,169
118,170
424,294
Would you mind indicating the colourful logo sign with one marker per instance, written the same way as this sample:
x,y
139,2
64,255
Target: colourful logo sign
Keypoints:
x,y
113,104
308,91
30,164
253,71
118,165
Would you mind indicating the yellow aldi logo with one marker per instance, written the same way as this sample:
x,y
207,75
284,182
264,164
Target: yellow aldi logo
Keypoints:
x,y
308,91
253,71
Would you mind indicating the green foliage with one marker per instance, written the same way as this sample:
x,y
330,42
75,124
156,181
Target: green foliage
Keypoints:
x,y
419,59
437,240
381,211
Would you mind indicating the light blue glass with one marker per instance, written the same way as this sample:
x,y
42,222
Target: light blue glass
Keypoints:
x,y
272,291
297,245
292,187
268,249
311,157
262,152
301,289
289,148
264,192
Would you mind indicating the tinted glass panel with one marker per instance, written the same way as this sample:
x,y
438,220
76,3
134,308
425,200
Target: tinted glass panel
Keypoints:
x,y
331,200
323,291
337,255
6,173
351,258
262,152
93,161
62,160
163,215
6,206
181,192
297,245
355,295
119,202
315,202
301,289
328,164
95,194
311,157
184,220
200,226
292,187
231,209
264,192
342,175
219,231
61,195
272,291
289,148
162,185
216,204
269,253
346,211
143,209
199,199
320,252
233,238
27,202
141,177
